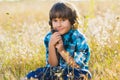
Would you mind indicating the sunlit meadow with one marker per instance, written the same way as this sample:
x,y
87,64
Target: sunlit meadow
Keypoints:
x,y
24,23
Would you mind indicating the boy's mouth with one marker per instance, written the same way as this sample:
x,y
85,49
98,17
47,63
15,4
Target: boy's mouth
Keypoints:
x,y
60,29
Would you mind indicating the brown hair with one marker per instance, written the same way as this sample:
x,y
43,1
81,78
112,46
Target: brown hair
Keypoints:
x,y
62,10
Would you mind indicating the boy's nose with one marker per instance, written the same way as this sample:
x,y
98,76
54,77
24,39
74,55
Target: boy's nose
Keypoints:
x,y
58,24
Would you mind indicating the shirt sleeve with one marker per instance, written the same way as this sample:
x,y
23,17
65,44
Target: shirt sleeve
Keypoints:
x,y
46,43
82,54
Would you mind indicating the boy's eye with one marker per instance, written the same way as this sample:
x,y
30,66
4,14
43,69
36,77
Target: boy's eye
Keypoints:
x,y
63,19
60,19
54,20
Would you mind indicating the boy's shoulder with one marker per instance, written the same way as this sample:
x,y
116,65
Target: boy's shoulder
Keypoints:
x,y
48,35
78,34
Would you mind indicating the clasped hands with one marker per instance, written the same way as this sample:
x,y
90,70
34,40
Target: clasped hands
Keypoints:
x,y
57,42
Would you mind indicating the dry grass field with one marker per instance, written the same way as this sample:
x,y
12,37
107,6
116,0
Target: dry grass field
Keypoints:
x,y
24,23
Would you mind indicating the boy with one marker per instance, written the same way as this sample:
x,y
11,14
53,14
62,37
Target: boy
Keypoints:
x,y
66,48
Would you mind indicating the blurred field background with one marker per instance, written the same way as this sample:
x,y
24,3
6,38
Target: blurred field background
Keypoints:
x,y
24,23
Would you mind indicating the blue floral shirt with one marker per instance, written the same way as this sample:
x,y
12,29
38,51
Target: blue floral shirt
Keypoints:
x,y
74,43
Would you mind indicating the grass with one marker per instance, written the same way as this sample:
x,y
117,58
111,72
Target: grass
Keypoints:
x,y
22,31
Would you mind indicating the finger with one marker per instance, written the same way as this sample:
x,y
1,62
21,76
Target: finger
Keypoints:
x,y
57,45
60,41
57,34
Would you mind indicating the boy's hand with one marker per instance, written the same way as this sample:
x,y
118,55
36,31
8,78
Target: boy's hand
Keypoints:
x,y
60,46
55,38
56,41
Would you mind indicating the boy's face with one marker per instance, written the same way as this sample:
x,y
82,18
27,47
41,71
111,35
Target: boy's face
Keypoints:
x,y
62,25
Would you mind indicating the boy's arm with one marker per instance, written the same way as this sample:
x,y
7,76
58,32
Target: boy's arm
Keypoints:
x,y
65,55
52,58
